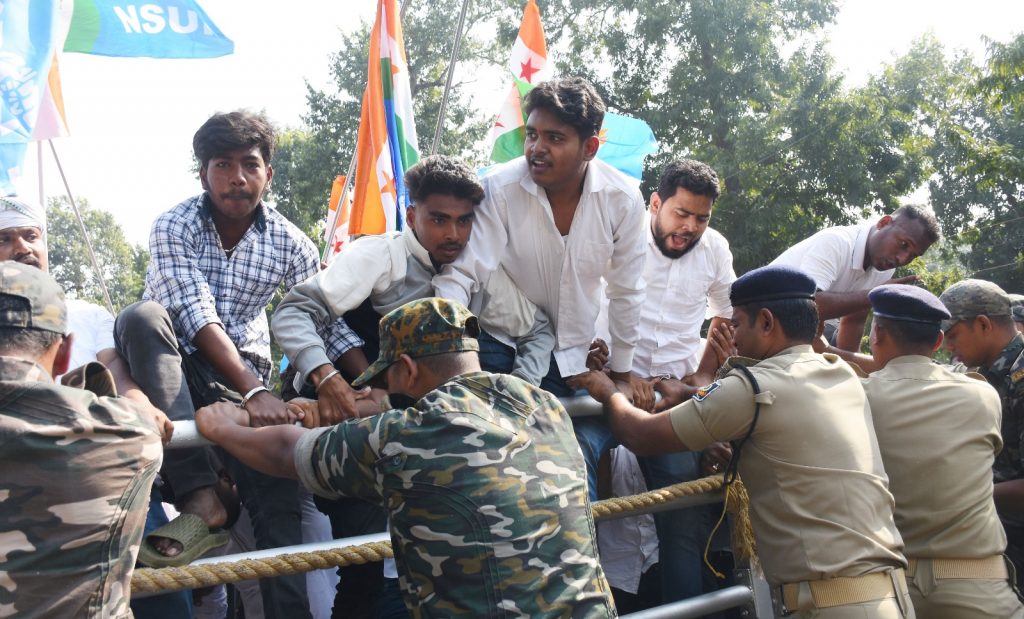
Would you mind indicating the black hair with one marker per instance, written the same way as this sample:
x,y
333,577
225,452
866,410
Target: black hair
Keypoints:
x,y
225,133
909,334
924,217
573,101
694,176
27,342
442,174
797,317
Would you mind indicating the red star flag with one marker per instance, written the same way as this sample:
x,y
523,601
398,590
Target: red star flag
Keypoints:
x,y
528,65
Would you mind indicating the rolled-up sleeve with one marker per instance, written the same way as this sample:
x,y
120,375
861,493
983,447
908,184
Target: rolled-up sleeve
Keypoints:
x,y
339,461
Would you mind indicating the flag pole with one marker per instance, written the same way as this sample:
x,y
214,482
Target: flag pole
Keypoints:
x,y
448,81
39,175
81,224
344,196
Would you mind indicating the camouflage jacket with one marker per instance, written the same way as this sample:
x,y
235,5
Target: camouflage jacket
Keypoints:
x,y
75,474
1007,376
485,486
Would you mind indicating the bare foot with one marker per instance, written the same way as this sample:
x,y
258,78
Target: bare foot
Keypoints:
x,y
202,502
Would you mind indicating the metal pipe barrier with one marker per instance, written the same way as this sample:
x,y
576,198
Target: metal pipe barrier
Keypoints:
x,y
186,435
723,599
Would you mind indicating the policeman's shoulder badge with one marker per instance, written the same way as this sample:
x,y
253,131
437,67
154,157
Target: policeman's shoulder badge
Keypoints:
x,y
706,390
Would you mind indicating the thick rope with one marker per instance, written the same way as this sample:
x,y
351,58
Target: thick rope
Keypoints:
x,y
146,580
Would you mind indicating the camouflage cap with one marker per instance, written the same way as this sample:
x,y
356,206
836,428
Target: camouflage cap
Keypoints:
x,y
30,299
421,328
1017,307
973,297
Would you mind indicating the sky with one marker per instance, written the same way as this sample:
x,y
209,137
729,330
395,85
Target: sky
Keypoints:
x,y
132,119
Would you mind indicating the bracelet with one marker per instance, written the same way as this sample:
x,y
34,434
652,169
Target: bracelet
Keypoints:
x,y
252,392
329,376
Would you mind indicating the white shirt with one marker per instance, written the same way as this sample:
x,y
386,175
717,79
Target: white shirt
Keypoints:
x,y
681,293
515,228
628,546
93,328
834,258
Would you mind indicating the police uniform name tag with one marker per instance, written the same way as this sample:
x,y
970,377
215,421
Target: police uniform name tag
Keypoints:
x,y
706,390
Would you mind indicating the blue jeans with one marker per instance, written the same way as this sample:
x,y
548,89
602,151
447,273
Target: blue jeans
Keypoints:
x,y
592,433
177,605
682,533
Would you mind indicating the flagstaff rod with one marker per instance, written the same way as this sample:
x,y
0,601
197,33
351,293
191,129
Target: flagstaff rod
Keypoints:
x,y
39,175
401,11
341,202
85,233
448,81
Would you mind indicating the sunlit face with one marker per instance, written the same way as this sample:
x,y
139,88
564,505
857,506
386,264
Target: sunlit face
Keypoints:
x,y
896,242
555,154
963,341
236,182
24,245
678,222
443,224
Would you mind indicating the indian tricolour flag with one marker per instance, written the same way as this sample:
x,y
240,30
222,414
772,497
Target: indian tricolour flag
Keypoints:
x,y
528,66
387,144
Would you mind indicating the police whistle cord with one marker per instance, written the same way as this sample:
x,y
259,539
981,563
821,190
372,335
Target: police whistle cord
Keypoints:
x,y
147,580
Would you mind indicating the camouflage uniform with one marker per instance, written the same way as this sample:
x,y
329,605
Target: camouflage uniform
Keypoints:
x,y
1007,376
75,473
481,479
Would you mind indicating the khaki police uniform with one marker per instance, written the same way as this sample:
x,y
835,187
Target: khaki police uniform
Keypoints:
x,y
939,433
820,506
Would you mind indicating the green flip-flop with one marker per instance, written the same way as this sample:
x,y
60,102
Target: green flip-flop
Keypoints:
x,y
191,532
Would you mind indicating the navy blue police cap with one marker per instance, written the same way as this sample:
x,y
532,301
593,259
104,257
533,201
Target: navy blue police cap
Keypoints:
x,y
907,303
771,283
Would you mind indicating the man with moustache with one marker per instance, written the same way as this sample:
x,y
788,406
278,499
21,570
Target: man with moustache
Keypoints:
x,y
558,220
848,261
201,336
688,272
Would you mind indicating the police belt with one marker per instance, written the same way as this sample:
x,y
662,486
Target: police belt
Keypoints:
x,y
990,568
844,590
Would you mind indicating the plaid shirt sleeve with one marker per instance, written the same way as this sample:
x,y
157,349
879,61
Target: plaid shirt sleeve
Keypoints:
x,y
174,279
337,336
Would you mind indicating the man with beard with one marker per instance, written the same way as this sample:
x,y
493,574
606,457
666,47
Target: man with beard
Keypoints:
x,y
846,262
688,271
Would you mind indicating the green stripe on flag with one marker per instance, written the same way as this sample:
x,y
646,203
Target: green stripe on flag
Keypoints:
x,y
85,27
406,150
509,145
386,78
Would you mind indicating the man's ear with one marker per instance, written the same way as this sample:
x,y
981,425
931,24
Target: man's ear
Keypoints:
x,y
409,372
590,146
982,322
63,358
410,216
202,178
765,316
655,203
938,342
883,222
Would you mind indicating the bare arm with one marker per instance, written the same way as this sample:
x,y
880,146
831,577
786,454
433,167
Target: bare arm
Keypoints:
x,y
851,331
218,349
643,433
709,361
836,304
269,450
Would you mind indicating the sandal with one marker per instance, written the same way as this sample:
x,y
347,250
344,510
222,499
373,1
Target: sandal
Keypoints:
x,y
191,532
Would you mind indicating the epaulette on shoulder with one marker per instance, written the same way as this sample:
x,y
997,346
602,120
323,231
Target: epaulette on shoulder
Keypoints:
x,y
732,362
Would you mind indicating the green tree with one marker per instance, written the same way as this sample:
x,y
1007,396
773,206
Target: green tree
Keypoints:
x,y
122,264
978,154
